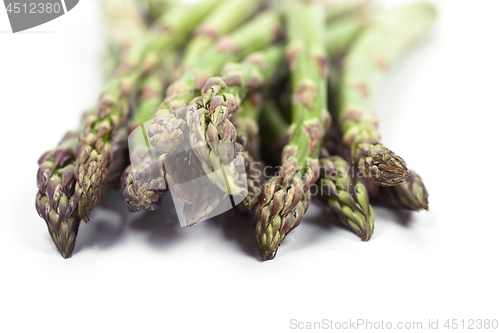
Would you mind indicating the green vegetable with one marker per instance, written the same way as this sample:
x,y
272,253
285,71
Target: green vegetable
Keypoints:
x,y
286,197
365,64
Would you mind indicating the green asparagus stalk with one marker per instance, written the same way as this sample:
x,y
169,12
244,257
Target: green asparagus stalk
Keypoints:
x,y
345,195
95,150
286,197
141,191
366,62
56,201
411,194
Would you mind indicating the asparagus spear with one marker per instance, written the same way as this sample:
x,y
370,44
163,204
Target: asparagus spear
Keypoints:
x,y
346,196
411,194
286,197
95,151
366,62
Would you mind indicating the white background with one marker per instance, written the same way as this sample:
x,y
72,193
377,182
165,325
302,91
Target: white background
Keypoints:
x,y
143,273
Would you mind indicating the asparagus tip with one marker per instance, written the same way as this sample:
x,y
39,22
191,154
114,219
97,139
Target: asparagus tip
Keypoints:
x,y
382,166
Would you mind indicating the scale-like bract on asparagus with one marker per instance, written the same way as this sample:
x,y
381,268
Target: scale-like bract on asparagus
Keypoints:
x,y
95,149
365,65
142,182
286,197
347,197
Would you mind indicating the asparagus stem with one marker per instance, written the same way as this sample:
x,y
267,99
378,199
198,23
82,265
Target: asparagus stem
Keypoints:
x,y
366,62
95,150
56,201
286,197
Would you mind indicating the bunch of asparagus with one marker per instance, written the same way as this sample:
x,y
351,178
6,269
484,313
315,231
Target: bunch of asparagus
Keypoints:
x,y
228,85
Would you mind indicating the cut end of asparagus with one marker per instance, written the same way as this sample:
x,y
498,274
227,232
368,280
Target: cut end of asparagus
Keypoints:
x,y
382,166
